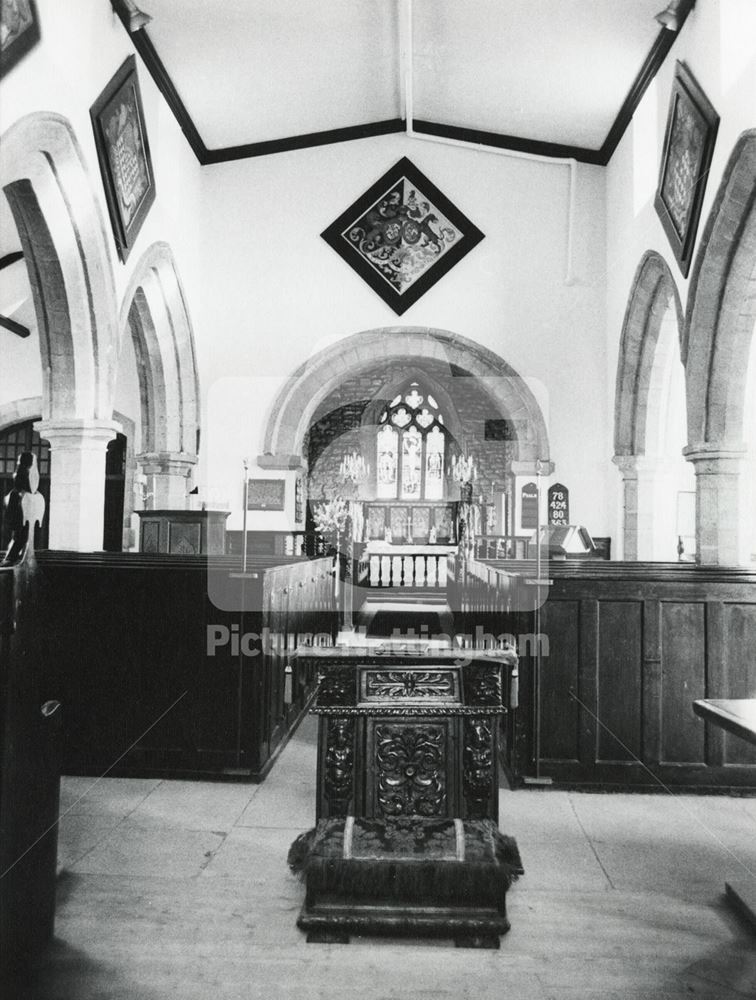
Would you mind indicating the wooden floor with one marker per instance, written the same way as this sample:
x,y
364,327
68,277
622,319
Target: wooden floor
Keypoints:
x,y
180,890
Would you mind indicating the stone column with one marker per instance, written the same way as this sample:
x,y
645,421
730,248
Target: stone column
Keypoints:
x,y
168,478
629,472
77,481
721,535
649,507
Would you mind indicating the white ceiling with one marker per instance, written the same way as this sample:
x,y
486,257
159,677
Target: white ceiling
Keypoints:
x,y
257,70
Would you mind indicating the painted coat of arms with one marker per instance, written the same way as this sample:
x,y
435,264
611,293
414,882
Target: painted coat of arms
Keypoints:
x,y
402,235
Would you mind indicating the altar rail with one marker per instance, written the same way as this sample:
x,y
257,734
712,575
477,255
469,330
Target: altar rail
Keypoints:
x,y
626,649
382,570
158,680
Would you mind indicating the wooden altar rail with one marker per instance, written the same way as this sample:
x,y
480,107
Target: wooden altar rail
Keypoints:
x,y
175,666
626,648
423,570
29,774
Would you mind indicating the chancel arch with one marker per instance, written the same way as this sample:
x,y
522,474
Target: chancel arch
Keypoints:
x,y
719,337
649,418
68,261
155,321
293,409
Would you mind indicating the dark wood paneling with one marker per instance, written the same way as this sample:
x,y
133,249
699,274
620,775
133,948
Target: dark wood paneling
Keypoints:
x,y
740,647
560,713
127,645
620,642
683,681
644,640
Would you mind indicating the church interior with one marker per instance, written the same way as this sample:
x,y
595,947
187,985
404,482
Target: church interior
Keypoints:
x,y
339,603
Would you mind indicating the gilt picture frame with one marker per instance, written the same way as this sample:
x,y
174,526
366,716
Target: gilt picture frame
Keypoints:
x,y
691,133
19,31
123,152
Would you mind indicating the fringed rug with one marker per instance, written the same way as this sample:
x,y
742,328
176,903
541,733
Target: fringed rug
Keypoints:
x,y
408,866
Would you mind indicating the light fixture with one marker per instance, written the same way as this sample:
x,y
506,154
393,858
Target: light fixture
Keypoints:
x,y
463,469
354,469
133,18
671,18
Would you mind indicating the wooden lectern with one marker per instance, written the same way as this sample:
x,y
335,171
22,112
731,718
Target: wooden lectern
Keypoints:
x,y
407,838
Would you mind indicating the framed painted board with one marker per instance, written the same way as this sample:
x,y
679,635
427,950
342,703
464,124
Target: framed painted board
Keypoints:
x,y
691,132
19,31
559,504
124,155
266,494
402,235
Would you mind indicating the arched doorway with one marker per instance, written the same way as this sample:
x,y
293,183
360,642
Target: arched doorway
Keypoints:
x,y
720,323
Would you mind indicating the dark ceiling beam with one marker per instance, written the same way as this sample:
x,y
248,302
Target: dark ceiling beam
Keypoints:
x,y
159,74
601,157
14,327
306,141
653,63
11,258
517,144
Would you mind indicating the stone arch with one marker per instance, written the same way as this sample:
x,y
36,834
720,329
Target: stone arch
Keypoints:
x,y
653,474
19,411
297,401
722,304
653,291
720,322
68,259
154,313
69,265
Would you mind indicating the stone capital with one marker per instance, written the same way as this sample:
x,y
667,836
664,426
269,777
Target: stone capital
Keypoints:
x,y
269,461
167,463
715,458
76,435
532,467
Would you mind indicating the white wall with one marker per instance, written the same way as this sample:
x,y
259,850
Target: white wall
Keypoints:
x,y
275,292
718,44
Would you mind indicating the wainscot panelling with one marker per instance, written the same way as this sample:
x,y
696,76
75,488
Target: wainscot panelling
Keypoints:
x,y
630,647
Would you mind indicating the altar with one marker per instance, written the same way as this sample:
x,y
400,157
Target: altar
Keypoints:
x,y
406,838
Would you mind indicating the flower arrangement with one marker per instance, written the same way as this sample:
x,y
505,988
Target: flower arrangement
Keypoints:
x,y
331,516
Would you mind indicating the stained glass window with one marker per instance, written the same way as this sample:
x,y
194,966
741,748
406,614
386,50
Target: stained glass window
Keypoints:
x,y
411,448
434,464
387,463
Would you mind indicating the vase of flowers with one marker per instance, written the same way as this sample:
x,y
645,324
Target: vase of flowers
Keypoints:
x,y
330,519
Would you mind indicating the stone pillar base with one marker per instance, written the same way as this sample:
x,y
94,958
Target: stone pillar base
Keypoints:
x,y
77,481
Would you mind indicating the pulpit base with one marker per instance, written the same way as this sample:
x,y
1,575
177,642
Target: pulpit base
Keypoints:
x,y
408,877
333,922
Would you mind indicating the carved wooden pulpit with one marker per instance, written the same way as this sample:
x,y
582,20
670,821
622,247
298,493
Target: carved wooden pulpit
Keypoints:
x,y
407,837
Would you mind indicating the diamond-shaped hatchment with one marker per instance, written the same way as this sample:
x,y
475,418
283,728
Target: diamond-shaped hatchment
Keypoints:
x,y
402,235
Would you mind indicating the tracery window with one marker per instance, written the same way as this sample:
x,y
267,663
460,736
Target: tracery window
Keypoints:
x,y
411,448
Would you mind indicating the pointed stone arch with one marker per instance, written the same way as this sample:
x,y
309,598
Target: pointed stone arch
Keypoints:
x,y
719,332
154,314
297,401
